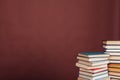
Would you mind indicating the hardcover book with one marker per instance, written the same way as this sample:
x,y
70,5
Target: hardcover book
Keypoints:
x,y
114,61
93,74
96,70
95,63
114,73
114,77
106,78
90,67
114,69
100,77
111,47
112,50
111,42
114,57
114,65
93,54
114,54
91,59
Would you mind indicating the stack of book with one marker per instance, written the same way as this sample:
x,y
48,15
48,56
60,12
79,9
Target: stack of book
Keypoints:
x,y
92,66
113,48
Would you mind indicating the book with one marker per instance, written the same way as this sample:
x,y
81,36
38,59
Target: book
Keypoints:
x,y
106,78
114,73
111,47
114,57
79,78
112,50
96,70
114,69
100,77
91,59
114,77
93,54
114,54
95,63
114,65
111,42
90,67
92,74
114,61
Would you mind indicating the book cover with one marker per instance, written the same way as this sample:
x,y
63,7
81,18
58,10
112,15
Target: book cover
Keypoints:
x,y
106,78
115,61
114,65
114,77
114,73
90,67
111,47
111,42
100,77
114,54
95,63
92,74
114,69
96,70
91,59
114,57
93,54
112,50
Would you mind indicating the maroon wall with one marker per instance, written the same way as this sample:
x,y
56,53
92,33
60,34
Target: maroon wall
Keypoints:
x,y
39,39
116,20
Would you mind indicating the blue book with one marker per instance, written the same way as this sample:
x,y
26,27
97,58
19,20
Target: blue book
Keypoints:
x,y
93,54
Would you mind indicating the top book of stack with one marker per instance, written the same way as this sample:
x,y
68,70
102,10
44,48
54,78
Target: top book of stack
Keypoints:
x,y
93,54
112,42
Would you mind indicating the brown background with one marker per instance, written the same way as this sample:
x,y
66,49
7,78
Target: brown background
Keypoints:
x,y
39,39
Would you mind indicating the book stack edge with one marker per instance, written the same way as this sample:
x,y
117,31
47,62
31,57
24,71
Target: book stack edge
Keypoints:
x,y
113,49
92,66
